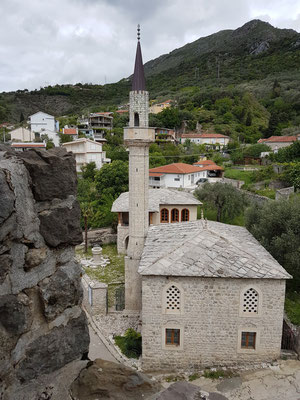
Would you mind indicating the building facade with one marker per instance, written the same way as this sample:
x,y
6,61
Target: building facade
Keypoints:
x,y
41,121
22,135
278,142
86,151
165,206
206,138
212,296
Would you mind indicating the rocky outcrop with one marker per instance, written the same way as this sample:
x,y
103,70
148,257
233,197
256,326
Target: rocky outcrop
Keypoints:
x,y
42,326
107,380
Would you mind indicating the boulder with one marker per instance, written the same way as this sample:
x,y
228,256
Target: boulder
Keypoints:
x,y
107,380
186,391
53,173
52,351
6,198
61,226
34,257
5,264
15,316
62,290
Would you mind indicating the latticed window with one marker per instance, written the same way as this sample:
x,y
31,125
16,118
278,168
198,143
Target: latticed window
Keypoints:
x,y
173,299
174,215
164,215
185,215
248,340
173,337
250,301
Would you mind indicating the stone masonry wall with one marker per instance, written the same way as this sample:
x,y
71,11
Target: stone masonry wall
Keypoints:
x,y
210,323
42,325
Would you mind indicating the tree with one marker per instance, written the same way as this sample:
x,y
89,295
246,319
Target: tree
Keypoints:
x,y
86,211
89,171
228,201
65,138
276,227
112,178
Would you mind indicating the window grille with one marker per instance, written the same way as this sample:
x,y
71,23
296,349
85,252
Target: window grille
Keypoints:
x,y
173,337
248,340
250,301
173,298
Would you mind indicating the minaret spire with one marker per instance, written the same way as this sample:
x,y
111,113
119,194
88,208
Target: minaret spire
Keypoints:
x,y
138,80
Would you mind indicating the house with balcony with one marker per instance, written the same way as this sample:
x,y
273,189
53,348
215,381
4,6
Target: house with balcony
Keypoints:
x,y
165,206
86,151
164,135
209,170
176,175
41,121
209,139
100,123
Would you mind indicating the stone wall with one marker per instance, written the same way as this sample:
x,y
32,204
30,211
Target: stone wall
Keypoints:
x,y
98,237
94,296
284,193
42,325
210,322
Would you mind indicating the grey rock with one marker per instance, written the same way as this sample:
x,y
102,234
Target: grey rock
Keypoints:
x,y
229,384
53,173
54,350
107,380
62,290
61,226
5,264
181,391
6,198
15,316
34,257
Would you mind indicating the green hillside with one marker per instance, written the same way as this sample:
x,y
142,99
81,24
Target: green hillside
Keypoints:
x,y
256,66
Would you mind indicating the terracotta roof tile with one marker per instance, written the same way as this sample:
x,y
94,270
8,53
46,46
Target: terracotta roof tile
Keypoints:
x,y
176,168
70,131
203,135
278,139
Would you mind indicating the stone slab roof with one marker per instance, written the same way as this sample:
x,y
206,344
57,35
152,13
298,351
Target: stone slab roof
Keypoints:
x,y
207,249
157,197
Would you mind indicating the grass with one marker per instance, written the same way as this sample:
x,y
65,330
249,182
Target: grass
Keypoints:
x,y
219,373
292,307
113,274
267,193
246,176
193,377
173,378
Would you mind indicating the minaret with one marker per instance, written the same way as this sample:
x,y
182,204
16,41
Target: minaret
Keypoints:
x,y
137,137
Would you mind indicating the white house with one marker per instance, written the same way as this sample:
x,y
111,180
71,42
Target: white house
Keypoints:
x,y
206,138
277,142
86,151
51,135
177,175
41,121
21,135
210,170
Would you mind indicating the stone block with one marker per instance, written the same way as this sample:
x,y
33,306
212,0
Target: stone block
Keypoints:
x,y
6,198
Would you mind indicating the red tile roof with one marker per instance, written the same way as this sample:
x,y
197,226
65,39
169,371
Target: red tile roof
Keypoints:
x,y
203,135
28,145
176,168
122,111
70,131
155,174
277,139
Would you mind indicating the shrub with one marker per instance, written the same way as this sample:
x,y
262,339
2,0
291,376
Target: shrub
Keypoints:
x,y
130,344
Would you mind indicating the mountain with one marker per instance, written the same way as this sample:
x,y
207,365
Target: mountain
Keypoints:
x,y
249,58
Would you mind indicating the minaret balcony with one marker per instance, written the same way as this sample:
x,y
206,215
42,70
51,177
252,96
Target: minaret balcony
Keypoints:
x,y
139,134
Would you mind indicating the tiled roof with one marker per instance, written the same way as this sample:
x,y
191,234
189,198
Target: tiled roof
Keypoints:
x,y
176,168
203,135
204,162
207,249
156,174
278,139
28,145
157,197
70,131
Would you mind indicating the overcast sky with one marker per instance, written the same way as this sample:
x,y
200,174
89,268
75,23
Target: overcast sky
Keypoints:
x,y
45,42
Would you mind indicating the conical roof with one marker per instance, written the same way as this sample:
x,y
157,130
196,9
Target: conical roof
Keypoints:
x,y
138,80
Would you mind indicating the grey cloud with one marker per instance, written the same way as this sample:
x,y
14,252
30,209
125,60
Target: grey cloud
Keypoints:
x,y
69,41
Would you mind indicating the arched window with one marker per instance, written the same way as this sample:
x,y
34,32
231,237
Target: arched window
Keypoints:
x,y
250,301
136,119
185,215
174,215
164,215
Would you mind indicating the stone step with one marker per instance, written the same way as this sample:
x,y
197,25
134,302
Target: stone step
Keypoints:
x,y
288,355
